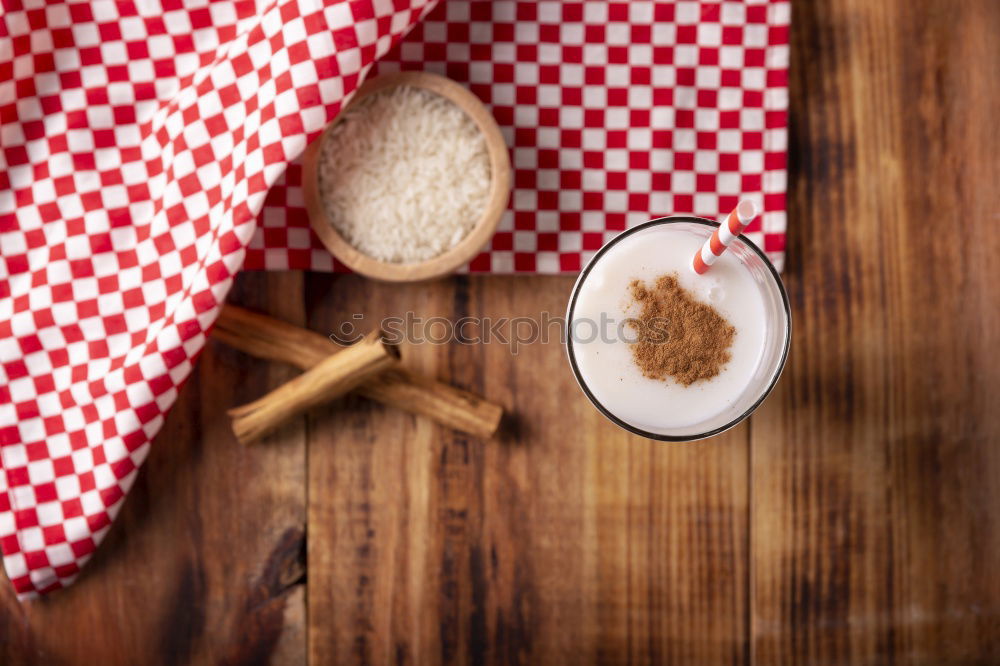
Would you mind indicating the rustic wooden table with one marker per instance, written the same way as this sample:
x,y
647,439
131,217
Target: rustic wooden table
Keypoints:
x,y
854,520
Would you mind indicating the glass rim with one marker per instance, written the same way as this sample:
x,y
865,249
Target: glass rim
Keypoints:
x,y
786,344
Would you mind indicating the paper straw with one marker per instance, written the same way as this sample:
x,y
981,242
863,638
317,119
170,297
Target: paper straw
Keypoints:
x,y
734,225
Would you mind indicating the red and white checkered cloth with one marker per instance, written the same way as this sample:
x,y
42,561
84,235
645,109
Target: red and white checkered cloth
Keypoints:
x,y
139,140
616,112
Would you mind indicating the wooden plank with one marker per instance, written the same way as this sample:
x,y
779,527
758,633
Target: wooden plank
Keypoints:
x,y
876,472
565,540
875,469
205,562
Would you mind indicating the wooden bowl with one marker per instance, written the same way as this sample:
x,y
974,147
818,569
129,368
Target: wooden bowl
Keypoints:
x,y
467,248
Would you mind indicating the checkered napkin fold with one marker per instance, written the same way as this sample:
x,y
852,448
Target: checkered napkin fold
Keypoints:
x,y
137,143
616,112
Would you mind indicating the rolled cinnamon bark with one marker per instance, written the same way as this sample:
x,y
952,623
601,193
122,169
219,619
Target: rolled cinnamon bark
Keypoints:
x,y
275,340
266,337
329,379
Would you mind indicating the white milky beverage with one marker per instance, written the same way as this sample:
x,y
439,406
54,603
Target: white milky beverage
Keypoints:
x,y
741,286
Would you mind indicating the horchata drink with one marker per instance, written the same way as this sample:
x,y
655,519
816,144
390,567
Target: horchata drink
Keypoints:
x,y
679,328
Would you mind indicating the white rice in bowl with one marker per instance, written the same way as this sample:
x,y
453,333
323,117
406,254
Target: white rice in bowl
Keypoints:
x,y
404,175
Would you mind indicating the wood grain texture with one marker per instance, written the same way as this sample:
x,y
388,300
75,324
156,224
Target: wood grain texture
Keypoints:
x,y
564,540
853,521
876,472
205,564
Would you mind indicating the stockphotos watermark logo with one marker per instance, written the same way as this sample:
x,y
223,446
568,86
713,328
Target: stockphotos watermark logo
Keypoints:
x,y
512,332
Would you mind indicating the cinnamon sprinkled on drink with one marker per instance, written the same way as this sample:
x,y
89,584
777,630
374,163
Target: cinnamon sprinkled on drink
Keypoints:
x,y
677,335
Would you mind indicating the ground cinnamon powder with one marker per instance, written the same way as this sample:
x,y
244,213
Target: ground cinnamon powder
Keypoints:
x,y
676,335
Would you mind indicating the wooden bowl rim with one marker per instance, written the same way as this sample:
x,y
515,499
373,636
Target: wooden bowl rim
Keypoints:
x,y
467,248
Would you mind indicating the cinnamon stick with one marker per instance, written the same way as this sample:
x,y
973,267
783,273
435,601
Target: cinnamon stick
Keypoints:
x,y
329,379
266,337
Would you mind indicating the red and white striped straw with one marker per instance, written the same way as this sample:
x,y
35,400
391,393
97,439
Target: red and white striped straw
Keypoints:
x,y
726,233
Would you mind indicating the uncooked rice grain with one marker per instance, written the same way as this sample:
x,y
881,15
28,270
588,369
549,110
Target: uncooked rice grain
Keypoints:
x,y
404,175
